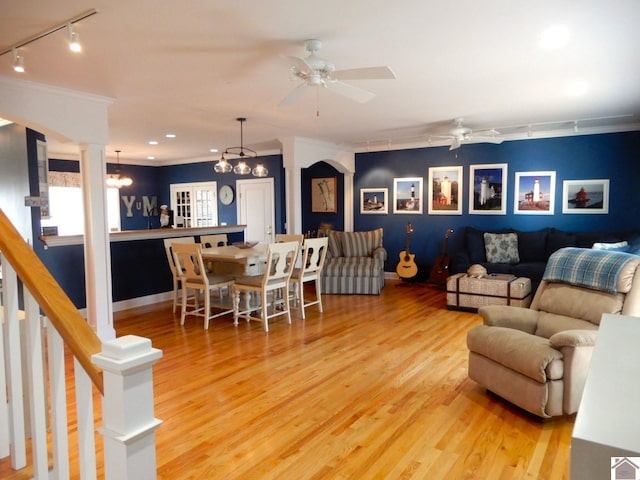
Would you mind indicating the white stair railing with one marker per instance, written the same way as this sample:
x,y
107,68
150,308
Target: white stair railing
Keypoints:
x,y
36,416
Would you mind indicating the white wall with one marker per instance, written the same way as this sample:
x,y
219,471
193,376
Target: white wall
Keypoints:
x,y
14,179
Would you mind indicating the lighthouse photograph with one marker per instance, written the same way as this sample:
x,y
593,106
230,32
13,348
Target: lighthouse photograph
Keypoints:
x,y
535,193
488,189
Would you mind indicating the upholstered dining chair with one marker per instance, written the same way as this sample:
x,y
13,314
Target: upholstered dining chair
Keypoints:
x,y
314,251
270,288
172,264
193,275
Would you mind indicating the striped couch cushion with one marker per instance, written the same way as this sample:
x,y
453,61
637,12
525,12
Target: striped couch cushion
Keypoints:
x,y
335,244
353,267
361,244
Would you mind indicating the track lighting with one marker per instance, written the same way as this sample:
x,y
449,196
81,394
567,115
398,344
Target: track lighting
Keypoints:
x,y
242,168
74,39
18,61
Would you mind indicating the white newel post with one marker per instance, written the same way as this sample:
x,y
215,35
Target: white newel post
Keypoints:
x,y
127,408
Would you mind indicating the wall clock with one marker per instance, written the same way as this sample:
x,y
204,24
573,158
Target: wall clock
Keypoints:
x,y
226,194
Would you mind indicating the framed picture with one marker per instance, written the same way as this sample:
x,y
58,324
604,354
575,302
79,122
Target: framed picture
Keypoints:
x,y
445,190
374,200
488,189
407,195
323,195
585,196
535,193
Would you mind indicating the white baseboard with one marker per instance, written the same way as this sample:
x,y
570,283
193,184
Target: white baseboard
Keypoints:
x,y
142,301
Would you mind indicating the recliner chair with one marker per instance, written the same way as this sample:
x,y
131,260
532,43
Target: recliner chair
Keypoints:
x,y
538,357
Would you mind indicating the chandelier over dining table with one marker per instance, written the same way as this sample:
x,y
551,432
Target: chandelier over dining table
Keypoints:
x,y
241,168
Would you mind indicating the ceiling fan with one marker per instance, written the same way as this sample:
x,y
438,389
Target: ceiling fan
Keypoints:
x,y
460,134
316,72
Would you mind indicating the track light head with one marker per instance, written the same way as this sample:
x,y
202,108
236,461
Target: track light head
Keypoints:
x,y
74,39
18,62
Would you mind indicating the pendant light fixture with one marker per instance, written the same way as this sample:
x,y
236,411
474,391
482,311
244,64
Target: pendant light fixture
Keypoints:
x,y
241,168
117,180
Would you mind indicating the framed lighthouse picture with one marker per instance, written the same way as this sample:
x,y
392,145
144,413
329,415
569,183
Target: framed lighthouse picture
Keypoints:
x,y
535,193
445,190
488,189
407,195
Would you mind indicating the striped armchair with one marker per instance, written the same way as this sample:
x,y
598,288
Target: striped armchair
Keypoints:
x,y
354,263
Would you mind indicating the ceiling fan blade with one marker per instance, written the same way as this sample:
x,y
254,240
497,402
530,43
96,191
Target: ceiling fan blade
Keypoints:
x,y
300,64
354,93
455,143
367,73
294,95
487,139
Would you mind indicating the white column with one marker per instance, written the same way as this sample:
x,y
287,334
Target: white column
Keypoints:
x,y
348,201
292,182
97,253
127,408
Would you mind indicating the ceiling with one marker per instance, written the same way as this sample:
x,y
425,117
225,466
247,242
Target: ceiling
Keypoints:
x,y
190,68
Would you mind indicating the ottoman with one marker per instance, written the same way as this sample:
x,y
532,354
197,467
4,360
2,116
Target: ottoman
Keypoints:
x,y
469,293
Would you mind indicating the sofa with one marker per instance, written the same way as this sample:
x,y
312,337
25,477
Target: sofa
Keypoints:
x,y
525,254
354,263
538,357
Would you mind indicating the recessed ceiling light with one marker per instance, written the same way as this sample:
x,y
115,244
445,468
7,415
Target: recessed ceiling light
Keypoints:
x,y
151,157
553,37
153,142
213,150
170,135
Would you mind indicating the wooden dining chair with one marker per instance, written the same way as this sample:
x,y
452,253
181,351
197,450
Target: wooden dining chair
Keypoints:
x,y
217,240
193,275
289,237
314,251
172,265
268,288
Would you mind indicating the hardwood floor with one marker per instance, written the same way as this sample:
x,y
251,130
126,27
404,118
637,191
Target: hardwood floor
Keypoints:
x,y
374,388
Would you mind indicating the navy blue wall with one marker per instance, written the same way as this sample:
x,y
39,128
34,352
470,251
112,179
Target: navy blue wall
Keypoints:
x,y
203,172
139,268
609,156
310,220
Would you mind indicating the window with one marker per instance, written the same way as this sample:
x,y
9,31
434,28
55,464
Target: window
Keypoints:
x,y
66,207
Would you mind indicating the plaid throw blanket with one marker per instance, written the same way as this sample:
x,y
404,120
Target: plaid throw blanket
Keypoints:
x,y
596,269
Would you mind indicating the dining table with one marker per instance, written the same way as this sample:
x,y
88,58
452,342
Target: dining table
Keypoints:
x,y
237,259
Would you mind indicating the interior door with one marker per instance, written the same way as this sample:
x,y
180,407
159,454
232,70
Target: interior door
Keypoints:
x,y
194,204
256,209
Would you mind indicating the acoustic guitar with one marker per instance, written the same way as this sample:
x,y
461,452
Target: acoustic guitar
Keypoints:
x,y
407,267
440,270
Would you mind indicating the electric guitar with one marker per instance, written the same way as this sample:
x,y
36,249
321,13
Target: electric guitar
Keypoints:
x,y
440,270
407,267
